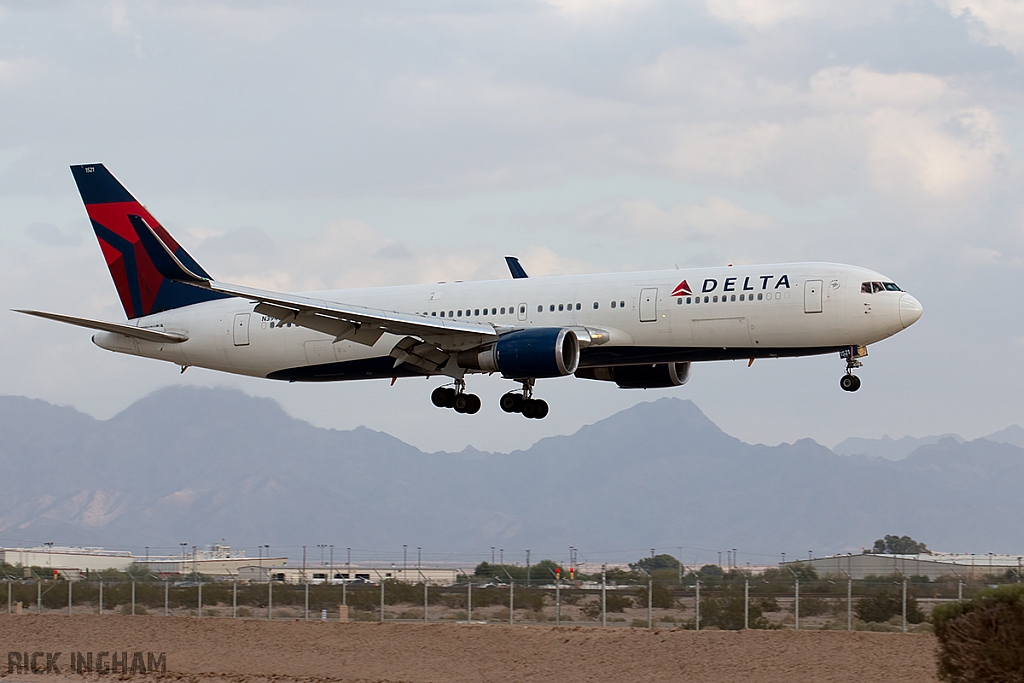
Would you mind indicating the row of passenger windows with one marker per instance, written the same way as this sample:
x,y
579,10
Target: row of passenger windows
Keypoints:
x,y
725,298
478,312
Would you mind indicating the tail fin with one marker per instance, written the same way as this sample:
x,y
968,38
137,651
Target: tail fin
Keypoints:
x,y
141,287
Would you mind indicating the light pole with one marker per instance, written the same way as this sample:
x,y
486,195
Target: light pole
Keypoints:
x,y
405,559
528,567
492,554
321,546
183,545
419,557
332,564
501,556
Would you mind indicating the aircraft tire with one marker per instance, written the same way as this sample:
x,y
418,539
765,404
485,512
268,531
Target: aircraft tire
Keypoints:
x,y
449,397
542,410
473,404
511,402
531,409
438,397
849,383
461,403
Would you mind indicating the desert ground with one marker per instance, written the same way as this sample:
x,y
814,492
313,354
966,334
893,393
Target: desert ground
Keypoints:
x,y
199,650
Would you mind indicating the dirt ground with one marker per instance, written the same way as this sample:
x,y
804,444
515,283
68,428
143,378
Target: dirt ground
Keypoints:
x,y
200,650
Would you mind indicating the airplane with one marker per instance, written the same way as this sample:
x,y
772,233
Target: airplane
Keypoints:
x,y
640,330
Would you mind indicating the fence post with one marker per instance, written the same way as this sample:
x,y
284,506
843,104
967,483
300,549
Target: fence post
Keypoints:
x,y
199,600
167,598
849,604
101,596
746,603
558,601
133,597
344,592
270,600
382,602
69,597
904,605
604,595
39,596
426,601
307,600
650,603
9,603
796,605
234,599
696,608
469,601
959,589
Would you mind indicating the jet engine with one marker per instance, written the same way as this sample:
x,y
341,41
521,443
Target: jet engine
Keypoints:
x,y
657,376
532,353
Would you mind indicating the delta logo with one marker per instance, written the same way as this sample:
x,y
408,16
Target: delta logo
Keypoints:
x,y
682,289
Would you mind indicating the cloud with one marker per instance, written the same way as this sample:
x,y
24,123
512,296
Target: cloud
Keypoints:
x,y
52,236
121,24
993,22
715,218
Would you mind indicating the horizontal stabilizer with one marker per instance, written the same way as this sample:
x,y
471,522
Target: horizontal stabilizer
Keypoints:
x,y
116,328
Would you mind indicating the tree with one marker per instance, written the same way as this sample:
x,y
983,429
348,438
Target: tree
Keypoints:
x,y
650,564
899,545
980,639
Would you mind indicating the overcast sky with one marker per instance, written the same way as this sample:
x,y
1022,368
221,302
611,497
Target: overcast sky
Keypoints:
x,y
300,145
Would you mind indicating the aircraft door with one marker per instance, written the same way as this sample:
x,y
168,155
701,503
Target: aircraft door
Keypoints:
x,y
240,331
522,312
812,296
649,304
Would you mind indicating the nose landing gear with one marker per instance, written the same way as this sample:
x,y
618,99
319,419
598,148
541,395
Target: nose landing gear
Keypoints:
x,y
850,381
531,408
456,398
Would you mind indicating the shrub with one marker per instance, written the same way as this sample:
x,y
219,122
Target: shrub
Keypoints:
x,y
980,639
885,604
661,597
813,607
726,613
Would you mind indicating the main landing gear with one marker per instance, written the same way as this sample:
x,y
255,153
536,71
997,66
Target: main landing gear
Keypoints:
x,y
515,402
456,398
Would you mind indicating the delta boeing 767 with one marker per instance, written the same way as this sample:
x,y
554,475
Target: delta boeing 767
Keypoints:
x,y
638,330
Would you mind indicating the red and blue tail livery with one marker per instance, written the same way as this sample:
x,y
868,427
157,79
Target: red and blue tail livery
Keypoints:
x,y
141,287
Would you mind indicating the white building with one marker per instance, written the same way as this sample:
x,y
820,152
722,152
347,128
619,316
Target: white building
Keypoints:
x,y
933,565
68,559
438,576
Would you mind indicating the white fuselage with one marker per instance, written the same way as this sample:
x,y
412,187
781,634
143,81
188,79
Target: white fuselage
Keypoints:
x,y
732,312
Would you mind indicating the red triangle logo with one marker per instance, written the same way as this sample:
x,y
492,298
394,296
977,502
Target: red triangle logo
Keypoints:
x,y
682,289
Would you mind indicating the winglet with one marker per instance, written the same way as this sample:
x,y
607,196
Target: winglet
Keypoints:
x,y
164,260
517,270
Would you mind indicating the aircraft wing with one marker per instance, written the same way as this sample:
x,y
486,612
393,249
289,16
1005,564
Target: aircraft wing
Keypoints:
x,y
345,321
117,328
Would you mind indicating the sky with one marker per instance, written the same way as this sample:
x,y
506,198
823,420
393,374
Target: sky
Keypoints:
x,y
309,145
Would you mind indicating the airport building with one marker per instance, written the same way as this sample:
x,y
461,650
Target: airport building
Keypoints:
x,y
438,576
218,561
69,562
966,566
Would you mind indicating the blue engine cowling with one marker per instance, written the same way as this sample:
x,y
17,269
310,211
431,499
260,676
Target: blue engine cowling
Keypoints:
x,y
532,353
660,376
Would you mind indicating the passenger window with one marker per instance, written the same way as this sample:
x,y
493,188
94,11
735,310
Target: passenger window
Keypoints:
x,y
687,299
759,296
442,314
679,301
522,309
732,298
613,304
494,311
451,314
696,299
460,313
741,297
560,307
434,314
271,324
552,308
715,299
579,306
595,305
476,311
540,309
622,304
706,299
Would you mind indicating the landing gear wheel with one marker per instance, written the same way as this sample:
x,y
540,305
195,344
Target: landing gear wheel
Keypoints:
x,y
849,383
511,402
530,408
439,397
542,409
473,404
461,403
449,397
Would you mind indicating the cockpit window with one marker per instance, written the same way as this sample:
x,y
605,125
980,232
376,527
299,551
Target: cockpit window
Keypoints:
x,y
877,287
872,287
865,288
892,287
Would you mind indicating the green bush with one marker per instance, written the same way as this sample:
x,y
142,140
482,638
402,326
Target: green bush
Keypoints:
x,y
726,613
661,597
612,603
885,604
980,640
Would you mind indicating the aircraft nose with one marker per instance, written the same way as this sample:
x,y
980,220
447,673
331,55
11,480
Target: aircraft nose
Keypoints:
x,y
910,310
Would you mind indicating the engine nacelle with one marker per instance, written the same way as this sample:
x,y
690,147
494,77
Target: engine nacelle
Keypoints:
x,y
532,353
658,376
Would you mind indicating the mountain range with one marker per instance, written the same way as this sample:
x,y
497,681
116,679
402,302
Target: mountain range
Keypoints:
x,y
196,465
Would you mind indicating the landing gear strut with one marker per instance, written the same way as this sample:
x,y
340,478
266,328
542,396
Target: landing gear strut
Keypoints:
x,y
456,398
850,381
515,402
